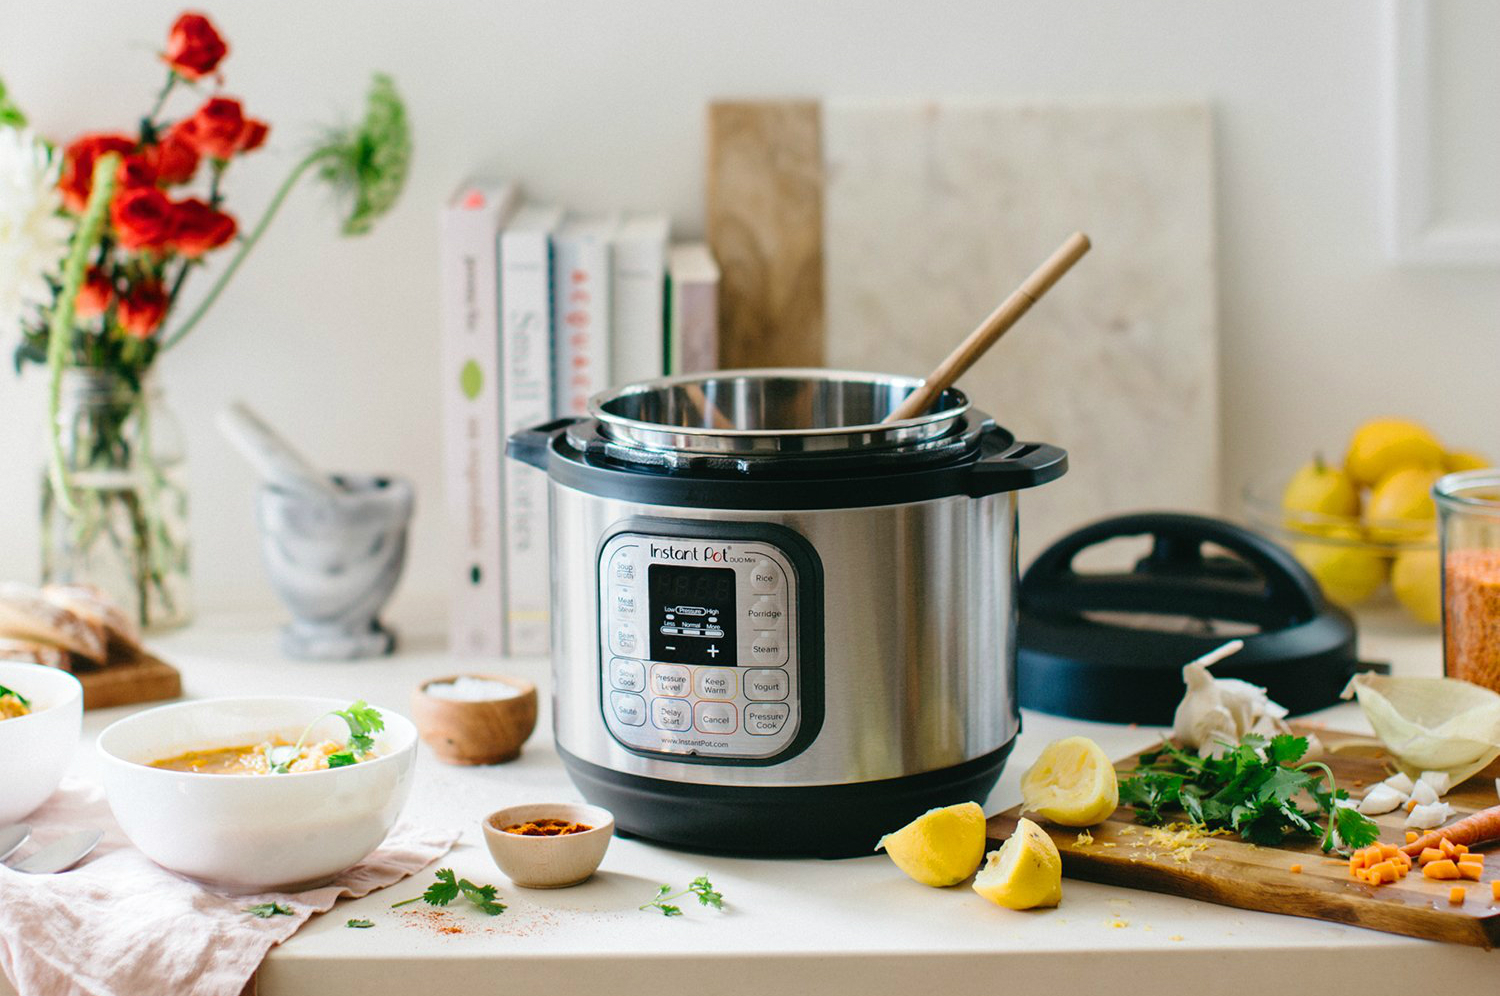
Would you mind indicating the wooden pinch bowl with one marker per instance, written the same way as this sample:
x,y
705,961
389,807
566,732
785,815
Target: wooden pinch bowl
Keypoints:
x,y
549,862
486,732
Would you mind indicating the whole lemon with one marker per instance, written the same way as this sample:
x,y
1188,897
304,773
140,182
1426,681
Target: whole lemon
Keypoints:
x,y
1343,563
1319,489
1401,509
1465,460
1416,579
1384,444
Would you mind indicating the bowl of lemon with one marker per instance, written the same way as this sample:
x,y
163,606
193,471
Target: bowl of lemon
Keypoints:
x,y
1365,526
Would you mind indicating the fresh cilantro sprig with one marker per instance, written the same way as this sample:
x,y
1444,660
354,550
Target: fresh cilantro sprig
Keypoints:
x,y
15,695
359,924
700,887
267,910
363,720
448,887
1252,788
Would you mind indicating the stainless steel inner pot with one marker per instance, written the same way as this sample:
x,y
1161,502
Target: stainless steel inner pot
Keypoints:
x,y
772,412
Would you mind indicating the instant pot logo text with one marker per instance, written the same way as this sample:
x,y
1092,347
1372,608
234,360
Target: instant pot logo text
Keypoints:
x,y
706,554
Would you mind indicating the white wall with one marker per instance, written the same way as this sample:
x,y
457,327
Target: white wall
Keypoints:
x,y
599,104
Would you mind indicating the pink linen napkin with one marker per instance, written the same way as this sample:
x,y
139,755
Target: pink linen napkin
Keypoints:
x,y
120,925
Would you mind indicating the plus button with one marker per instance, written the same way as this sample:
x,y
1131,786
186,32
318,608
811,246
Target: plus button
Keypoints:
x,y
713,652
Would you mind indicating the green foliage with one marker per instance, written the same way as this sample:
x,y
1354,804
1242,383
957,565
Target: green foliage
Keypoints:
x,y
11,116
700,887
448,887
267,910
11,693
367,164
359,924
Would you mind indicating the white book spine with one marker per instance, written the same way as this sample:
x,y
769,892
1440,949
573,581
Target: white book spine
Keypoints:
x,y
581,296
637,334
473,443
694,308
526,335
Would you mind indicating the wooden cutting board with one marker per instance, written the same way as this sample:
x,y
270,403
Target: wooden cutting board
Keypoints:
x,y
145,679
1231,872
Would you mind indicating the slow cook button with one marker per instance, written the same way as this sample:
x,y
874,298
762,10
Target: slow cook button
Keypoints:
x,y
767,648
671,714
715,683
627,676
625,638
766,719
765,577
716,717
629,709
767,613
671,679
766,684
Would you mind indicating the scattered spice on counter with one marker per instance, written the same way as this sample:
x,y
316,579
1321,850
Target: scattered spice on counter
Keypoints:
x,y
1296,869
1117,923
1471,604
1175,937
546,828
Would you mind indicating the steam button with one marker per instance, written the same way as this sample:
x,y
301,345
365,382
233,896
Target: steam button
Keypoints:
x,y
767,648
629,709
765,577
671,714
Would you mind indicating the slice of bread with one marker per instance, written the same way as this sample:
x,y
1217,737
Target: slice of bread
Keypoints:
x,y
26,615
29,652
122,635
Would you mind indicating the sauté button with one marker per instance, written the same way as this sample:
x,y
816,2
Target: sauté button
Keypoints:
x,y
764,684
716,717
766,719
627,676
629,709
671,679
671,714
765,577
716,683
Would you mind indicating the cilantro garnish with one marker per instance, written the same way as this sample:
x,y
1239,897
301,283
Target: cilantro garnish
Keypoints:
x,y
1252,789
700,887
359,924
363,721
267,910
448,888
4,692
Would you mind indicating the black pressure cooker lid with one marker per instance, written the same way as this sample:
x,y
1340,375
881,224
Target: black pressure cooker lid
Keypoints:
x,y
1111,646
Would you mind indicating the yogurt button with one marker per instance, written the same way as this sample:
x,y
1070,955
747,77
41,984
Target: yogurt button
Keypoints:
x,y
765,577
629,709
716,717
764,684
766,719
671,714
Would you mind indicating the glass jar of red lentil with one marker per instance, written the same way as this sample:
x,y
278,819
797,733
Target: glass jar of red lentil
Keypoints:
x,y
1469,519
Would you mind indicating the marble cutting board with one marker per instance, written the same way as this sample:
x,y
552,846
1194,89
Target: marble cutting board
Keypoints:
x,y
934,211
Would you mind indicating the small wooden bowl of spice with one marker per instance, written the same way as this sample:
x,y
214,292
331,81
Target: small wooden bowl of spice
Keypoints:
x,y
474,718
548,845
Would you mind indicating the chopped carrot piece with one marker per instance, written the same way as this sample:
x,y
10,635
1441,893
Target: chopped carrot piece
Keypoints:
x,y
1472,858
1296,869
1446,846
1429,854
1495,889
1456,895
1388,850
1411,804
1411,836
1385,871
1470,870
1441,869
1459,849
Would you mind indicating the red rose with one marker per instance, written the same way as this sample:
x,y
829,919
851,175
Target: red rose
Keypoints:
x,y
174,158
94,296
197,227
142,311
78,166
136,170
142,218
219,129
194,47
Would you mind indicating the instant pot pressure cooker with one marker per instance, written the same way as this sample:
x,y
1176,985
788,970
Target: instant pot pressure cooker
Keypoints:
x,y
779,625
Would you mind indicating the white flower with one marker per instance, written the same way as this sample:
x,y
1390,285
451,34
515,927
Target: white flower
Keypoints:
x,y
33,235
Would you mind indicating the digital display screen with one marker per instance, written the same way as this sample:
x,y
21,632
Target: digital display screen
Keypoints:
x,y
692,615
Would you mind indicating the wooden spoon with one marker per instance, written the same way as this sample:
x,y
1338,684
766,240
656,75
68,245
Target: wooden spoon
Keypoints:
x,y
992,328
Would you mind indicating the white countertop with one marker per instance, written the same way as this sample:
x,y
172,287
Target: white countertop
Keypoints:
x,y
856,926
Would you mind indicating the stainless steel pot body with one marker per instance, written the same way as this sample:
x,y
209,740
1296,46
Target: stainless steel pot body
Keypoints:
x,y
918,626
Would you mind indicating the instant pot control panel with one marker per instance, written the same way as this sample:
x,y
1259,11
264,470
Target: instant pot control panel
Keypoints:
x,y
710,640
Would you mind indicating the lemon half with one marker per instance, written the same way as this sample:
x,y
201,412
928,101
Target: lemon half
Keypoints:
x,y
1025,873
1072,784
942,847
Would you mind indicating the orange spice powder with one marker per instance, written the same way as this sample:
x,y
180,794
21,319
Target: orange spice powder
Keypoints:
x,y
1471,609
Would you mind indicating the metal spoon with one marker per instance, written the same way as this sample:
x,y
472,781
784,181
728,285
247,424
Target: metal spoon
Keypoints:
x,y
61,854
12,837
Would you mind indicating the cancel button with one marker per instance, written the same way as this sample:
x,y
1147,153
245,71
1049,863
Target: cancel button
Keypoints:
x,y
766,684
765,719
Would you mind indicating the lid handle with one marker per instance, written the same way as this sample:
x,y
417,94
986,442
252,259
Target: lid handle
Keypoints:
x,y
530,446
1004,465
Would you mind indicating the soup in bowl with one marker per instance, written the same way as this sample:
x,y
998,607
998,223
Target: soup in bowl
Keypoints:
x,y
40,719
220,791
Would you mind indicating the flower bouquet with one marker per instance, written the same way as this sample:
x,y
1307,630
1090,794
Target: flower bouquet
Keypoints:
x,y
98,243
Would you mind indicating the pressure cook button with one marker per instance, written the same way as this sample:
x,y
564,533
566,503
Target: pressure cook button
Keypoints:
x,y
623,566
716,683
671,679
627,676
764,684
767,613
625,639
716,717
766,719
629,709
767,648
671,714
765,577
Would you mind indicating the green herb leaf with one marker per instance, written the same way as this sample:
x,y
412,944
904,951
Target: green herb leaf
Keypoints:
x,y
341,760
4,692
267,910
359,924
1286,749
700,887
482,896
1354,828
704,890
443,891
449,887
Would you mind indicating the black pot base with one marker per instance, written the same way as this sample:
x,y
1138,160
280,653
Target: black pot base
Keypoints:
x,y
822,821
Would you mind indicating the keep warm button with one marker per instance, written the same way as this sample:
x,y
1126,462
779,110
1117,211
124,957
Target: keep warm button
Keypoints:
x,y
766,719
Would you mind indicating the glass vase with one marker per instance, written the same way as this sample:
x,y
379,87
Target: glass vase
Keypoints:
x,y
124,529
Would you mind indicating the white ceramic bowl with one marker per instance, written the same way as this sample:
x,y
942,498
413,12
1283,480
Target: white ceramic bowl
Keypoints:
x,y
35,750
253,833
549,862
